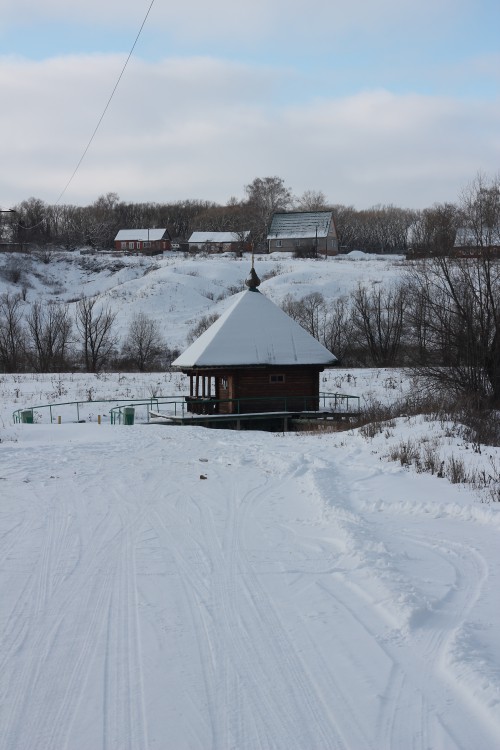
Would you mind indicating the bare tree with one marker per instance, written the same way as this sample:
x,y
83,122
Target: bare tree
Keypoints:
x,y
480,210
378,318
312,200
309,312
101,221
12,334
346,226
330,322
265,197
380,229
49,329
95,325
202,325
338,329
434,230
31,223
144,342
455,323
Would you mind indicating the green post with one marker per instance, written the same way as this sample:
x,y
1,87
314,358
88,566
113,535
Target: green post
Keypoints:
x,y
27,416
128,415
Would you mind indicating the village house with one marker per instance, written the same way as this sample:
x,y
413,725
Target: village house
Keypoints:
x,y
219,242
303,231
469,243
144,241
254,359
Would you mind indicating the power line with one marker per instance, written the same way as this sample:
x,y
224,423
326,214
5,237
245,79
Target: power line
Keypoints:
x,y
107,105
101,118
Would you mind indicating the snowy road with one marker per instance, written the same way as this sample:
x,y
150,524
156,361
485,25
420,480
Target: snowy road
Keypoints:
x,y
301,596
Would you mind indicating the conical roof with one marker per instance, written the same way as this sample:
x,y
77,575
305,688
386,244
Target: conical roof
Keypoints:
x,y
254,331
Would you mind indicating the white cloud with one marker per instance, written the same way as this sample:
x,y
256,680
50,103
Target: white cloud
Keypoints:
x,y
203,128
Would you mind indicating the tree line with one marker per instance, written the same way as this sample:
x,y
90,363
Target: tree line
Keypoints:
x,y
47,337
442,319
380,229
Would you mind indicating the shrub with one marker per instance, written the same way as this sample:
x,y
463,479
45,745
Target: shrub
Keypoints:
x,y
455,470
202,325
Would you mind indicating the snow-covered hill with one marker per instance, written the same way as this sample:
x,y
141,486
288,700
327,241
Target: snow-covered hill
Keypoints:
x,y
176,290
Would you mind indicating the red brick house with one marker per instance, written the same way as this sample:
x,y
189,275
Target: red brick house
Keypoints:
x,y
144,241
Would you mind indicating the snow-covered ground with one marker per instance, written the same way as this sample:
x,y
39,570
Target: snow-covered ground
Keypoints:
x,y
178,588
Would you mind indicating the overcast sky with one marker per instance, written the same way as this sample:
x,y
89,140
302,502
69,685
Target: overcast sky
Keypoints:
x,y
371,102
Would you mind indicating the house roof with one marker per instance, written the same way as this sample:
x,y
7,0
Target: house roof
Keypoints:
x,y
141,235
300,225
200,237
254,331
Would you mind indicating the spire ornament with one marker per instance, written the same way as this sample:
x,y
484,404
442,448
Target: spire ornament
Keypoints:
x,y
252,280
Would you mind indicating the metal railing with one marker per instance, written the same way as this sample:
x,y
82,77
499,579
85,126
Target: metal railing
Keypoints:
x,y
174,406
190,406
73,408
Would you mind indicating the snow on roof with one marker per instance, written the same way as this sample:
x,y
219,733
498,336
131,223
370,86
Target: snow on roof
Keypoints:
x,y
200,237
142,235
300,225
254,331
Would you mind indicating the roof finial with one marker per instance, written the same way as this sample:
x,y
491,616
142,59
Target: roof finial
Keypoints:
x,y
252,281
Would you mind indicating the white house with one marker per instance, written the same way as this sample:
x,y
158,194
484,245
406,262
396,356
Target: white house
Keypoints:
x,y
219,242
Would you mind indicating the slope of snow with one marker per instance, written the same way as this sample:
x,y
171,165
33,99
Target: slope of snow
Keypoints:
x,y
176,290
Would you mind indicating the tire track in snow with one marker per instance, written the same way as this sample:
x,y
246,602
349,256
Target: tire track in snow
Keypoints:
x,y
124,715
253,685
360,582
51,528
59,651
327,701
431,631
195,592
56,673
276,682
13,538
42,570
417,652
